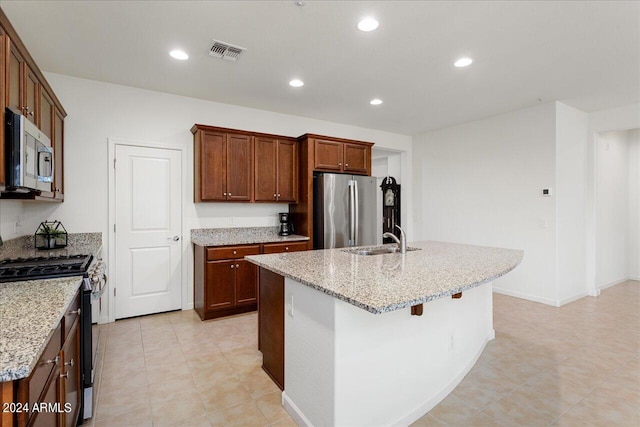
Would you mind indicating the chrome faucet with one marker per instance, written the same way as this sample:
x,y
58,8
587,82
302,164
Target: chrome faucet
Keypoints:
x,y
402,241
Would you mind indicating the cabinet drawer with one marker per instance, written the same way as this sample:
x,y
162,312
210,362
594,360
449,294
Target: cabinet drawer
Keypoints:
x,y
274,248
230,252
43,368
70,316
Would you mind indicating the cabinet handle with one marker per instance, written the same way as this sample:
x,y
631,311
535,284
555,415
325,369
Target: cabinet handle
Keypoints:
x,y
346,164
237,265
78,311
274,196
233,266
224,194
278,195
70,363
286,248
52,361
235,252
229,194
30,113
65,375
339,164
26,108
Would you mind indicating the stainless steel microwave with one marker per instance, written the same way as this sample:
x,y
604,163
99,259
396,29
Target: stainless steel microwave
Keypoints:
x,y
28,155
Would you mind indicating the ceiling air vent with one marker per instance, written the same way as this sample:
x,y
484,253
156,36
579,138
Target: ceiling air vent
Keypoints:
x,y
225,51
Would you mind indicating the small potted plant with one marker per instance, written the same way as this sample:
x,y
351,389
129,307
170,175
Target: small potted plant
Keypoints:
x,y
51,235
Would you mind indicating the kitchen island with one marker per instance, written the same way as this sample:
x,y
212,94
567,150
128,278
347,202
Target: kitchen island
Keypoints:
x,y
361,347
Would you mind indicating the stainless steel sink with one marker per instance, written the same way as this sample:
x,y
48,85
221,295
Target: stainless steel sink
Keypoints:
x,y
381,250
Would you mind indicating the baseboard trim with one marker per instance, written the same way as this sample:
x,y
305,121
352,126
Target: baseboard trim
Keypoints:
x,y
615,282
528,297
294,412
567,300
636,278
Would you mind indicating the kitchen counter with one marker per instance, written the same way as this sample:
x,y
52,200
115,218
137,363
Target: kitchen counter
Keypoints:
x,y
77,244
346,363
384,283
29,313
240,236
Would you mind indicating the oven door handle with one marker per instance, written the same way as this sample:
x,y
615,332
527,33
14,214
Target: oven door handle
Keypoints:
x,y
99,293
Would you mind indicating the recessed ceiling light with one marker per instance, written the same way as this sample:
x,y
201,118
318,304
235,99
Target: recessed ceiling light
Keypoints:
x,y
375,101
463,62
296,83
179,54
367,24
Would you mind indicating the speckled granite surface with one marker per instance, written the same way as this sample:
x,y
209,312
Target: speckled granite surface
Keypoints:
x,y
29,314
383,283
240,236
77,244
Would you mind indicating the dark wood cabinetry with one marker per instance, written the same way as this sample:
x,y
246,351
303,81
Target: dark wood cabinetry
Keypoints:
x,y
55,383
25,90
225,283
276,169
223,165
336,156
233,165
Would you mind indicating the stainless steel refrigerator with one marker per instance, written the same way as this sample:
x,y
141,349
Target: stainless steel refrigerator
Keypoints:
x,y
344,210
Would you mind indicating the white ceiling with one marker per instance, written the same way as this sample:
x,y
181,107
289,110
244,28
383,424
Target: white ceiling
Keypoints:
x,y
583,53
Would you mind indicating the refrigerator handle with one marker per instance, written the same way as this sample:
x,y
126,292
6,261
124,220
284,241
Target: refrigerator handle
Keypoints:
x,y
357,214
352,213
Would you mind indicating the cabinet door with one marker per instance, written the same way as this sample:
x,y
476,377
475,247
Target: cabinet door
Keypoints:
x,y
266,150
46,114
50,397
356,158
213,170
72,386
58,155
328,155
3,91
246,282
14,80
31,95
239,167
287,171
220,284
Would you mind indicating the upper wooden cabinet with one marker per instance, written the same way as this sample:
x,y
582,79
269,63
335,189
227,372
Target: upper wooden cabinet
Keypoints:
x,y
276,169
234,165
223,165
25,90
334,155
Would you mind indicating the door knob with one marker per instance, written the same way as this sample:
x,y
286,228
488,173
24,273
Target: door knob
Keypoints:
x,y
174,238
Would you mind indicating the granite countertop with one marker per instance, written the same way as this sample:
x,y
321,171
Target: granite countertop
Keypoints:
x,y
240,236
29,313
77,244
384,283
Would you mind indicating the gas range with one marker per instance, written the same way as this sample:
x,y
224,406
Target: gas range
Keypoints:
x,y
12,270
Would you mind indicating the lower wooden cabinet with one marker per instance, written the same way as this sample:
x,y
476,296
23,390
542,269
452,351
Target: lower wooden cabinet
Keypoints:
x,y
226,284
53,391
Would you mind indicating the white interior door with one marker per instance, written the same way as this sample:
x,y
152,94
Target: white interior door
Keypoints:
x,y
148,223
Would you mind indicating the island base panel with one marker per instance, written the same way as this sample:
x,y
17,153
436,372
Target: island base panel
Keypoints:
x,y
346,366
271,325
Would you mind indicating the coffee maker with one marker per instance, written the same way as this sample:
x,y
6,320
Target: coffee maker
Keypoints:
x,y
286,228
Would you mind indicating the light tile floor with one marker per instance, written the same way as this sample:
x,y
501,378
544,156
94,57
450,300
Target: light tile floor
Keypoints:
x,y
577,365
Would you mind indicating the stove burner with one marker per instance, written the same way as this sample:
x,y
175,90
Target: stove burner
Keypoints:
x,y
43,267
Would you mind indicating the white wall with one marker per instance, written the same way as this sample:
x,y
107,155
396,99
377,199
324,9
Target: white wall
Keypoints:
x,y
97,111
26,214
612,208
621,118
571,197
481,183
634,204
